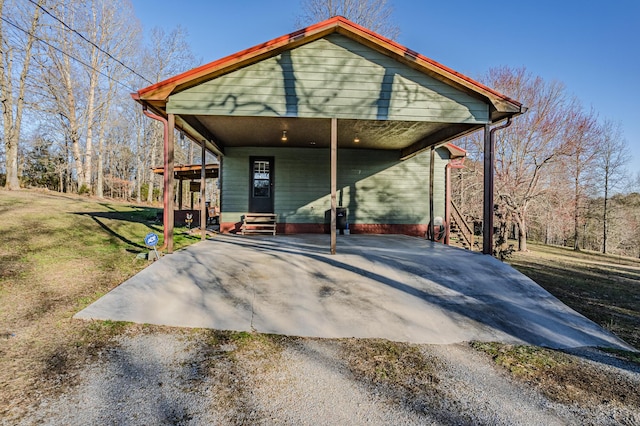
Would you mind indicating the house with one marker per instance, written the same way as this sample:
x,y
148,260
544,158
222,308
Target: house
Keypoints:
x,y
330,116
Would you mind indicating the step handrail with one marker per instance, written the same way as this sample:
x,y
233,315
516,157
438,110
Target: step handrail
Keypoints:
x,y
467,232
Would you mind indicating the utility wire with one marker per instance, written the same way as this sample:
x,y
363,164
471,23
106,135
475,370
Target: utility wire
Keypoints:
x,y
67,54
89,41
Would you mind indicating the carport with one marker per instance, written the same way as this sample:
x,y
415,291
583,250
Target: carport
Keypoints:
x,y
368,94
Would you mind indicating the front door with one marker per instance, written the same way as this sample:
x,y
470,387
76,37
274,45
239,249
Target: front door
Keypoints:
x,y
261,189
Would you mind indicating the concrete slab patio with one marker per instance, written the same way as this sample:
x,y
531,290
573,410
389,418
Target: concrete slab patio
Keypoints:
x,y
387,286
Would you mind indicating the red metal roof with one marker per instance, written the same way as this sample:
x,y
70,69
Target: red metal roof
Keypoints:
x,y
455,151
161,90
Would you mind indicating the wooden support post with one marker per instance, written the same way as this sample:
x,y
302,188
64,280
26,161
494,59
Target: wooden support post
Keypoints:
x,y
432,174
168,180
447,203
218,191
334,180
180,194
203,193
487,217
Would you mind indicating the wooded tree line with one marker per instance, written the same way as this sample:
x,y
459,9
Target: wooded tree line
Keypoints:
x,y
67,68
560,173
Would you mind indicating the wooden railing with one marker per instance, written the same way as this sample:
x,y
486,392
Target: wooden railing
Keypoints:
x,y
464,230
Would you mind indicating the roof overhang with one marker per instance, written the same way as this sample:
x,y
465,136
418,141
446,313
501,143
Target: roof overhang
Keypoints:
x,y
191,171
455,151
216,132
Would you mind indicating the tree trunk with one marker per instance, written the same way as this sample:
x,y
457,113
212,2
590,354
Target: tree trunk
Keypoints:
x,y
100,177
576,214
139,163
153,162
77,158
522,238
105,122
522,231
11,153
91,111
88,155
604,213
13,123
74,132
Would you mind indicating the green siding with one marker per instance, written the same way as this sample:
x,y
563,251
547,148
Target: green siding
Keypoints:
x,y
374,185
331,77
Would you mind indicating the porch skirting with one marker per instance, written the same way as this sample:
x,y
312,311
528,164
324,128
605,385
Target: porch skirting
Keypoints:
x,y
414,230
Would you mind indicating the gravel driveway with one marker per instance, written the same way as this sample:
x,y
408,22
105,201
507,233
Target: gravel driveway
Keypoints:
x,y
189,377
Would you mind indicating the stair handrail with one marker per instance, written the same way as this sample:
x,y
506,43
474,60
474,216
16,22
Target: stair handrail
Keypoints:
x,y
467,232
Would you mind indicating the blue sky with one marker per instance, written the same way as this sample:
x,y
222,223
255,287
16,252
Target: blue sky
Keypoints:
x,y
593,47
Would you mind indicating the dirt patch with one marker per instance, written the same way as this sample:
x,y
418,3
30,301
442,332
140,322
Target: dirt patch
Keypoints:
x,y
232,360
578,382
562,377
400,371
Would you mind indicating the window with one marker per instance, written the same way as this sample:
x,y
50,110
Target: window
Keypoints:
x,y
261,179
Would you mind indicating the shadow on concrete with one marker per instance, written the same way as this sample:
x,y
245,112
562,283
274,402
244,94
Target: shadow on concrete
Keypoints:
x,y
385,286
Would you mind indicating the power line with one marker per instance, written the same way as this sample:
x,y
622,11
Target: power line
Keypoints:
x,y
89,41
66,54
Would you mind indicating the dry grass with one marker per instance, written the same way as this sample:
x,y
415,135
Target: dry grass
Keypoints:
x,y
400,368
605,289
57,255
233,358
561,377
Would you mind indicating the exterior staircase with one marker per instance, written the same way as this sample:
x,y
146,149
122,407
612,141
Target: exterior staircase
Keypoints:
x,y
460,232
259,224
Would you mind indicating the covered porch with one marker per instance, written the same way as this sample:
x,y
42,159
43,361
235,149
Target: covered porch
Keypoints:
x,y
196,175
330,116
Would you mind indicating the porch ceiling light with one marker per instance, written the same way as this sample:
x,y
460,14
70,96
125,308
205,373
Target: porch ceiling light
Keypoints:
x,y
356,139
284,136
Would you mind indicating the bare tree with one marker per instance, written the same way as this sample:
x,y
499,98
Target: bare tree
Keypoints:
x,y
169,54
525,151
375,15
581,149
81,72
105,117
560,173
63,79
117,34
17,37
634,184
614,155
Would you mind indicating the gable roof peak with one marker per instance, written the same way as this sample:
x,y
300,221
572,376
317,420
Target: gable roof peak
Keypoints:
x,y
159,92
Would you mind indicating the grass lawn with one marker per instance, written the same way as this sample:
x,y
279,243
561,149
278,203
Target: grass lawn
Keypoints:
x,y
58,254
605,289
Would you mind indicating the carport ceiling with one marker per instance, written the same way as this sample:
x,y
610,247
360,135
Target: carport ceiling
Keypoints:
x,y
316,132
